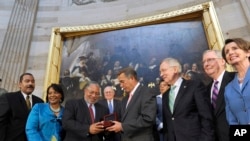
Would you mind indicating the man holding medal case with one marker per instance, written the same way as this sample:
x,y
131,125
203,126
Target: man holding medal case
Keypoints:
x,y
83,118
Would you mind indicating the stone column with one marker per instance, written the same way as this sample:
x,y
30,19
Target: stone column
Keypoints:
x,y
15,48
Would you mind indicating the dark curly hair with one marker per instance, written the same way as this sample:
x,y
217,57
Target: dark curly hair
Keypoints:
x,y
57,88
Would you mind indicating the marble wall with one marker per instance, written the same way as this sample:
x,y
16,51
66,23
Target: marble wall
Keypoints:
x,y
233,16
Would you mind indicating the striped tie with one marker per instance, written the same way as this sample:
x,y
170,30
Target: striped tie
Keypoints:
x,y
215,93
28,102
110,107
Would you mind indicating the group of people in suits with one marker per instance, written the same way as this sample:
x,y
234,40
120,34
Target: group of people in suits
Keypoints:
x,y
187,109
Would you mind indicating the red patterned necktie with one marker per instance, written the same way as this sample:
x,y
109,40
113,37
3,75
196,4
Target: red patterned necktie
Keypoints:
x,y
91,113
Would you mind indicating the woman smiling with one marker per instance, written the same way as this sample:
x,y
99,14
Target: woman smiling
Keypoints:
x,y
44,121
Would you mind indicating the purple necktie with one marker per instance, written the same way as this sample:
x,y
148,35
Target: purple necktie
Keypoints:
x,y
215,93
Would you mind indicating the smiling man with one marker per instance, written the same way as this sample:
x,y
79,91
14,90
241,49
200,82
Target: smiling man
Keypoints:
x,y
186,112
214,66
81,118
15,108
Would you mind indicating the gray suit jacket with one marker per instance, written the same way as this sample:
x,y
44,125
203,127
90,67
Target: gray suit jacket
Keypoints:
x,y
139,116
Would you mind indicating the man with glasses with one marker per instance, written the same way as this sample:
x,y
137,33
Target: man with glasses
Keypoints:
x,y
214,66
82,117
187,115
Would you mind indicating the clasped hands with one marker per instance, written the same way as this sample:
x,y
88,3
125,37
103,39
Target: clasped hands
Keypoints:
x,y
98,127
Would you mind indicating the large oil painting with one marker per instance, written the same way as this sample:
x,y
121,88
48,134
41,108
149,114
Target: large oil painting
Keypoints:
x,y
98,52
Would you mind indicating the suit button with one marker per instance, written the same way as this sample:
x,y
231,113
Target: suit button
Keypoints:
x,y
172,118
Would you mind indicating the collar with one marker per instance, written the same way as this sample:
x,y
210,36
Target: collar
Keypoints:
x,y
220,77
136,86
178,82
25,95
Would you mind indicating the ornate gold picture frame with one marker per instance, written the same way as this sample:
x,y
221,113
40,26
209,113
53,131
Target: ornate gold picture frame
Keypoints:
x,y
204,12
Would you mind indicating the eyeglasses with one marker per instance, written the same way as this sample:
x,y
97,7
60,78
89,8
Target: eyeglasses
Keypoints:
x,y
93,93
209,60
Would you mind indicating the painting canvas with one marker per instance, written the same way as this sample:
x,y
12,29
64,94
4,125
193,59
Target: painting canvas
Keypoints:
x,y
100,56
97,52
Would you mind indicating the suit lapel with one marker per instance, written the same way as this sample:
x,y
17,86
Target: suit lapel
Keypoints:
x,y
22,101
180,94
167,100
85,108
246,79
133,100
220,99
97,114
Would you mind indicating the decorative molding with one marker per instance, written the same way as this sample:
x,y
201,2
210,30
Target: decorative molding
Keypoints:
x,y
133,22
205,12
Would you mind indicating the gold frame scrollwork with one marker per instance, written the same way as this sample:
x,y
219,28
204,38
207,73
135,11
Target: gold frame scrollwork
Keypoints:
x,y
204,11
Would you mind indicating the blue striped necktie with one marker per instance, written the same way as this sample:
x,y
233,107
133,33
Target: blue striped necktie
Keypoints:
x,y
110,107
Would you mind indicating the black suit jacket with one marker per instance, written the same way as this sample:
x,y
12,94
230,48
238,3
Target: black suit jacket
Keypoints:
x,y
116,107
112,136
192,116
13,116
219,113
76,120
139,117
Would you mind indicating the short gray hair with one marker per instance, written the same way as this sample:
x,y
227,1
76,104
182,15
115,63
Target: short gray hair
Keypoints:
x,y
217,52
173,63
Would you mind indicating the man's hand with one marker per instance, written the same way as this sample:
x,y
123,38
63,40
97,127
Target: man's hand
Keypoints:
x,y
117,127
96,128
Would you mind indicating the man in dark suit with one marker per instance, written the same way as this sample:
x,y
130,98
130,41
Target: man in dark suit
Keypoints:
x,y
163,87
14,110
114,107
187,115
138,112
214,66
82,117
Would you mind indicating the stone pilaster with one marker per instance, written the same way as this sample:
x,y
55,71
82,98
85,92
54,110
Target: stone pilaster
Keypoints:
x,y
16,43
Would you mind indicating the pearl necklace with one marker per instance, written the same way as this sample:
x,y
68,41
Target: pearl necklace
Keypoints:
x,y
55,110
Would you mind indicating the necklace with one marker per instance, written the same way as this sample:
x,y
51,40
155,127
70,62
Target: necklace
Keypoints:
x,y
240,79
55,110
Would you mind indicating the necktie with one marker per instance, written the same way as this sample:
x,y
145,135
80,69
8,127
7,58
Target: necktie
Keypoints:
x,y
28,102
110,107
91,113
130,97
215,93
171,98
